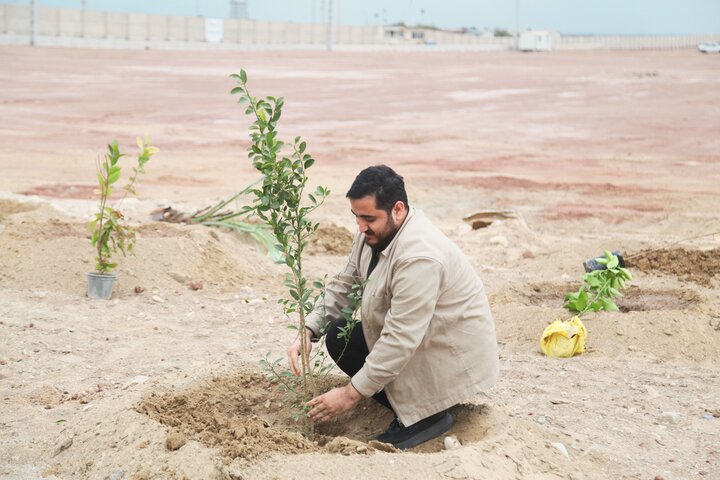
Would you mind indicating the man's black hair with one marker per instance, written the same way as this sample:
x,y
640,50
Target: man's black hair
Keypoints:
x,y
381,181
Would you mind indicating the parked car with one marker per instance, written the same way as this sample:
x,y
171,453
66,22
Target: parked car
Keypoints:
x,y
709,47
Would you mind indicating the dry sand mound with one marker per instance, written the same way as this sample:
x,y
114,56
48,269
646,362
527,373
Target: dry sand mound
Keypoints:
x,y
56,255
331,240
699,266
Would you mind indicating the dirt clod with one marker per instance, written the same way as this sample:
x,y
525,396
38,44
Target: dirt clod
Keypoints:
x,y
175,441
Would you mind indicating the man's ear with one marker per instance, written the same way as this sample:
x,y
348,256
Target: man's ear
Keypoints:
x,y
398,210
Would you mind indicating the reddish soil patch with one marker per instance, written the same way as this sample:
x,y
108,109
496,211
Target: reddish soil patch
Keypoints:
x,y
61,190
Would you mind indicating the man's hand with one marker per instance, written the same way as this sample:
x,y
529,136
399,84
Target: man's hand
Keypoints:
x,y
294,352
333,403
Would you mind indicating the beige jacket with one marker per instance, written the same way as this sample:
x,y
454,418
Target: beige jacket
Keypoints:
x,y
426,321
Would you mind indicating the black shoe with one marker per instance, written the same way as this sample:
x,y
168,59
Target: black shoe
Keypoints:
x,y
426,429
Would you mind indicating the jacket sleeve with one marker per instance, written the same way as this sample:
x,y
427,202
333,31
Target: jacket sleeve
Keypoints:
x,y
415,289
336,294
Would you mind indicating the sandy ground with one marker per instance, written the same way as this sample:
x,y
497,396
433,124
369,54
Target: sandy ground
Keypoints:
x,y
591,150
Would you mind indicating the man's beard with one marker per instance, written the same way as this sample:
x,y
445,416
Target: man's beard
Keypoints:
x,y
384,240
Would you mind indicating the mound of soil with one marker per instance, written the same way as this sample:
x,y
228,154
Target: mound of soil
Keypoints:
x,y
246,416
9,207
691,265
331,240
167,257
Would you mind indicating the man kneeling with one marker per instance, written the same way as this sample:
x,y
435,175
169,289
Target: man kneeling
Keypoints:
x,y
426,340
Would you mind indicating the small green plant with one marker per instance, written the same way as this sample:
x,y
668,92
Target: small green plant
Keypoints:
x,y
283,204
600,288
109,232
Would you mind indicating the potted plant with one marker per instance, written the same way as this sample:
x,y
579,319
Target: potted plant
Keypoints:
x,y
109,232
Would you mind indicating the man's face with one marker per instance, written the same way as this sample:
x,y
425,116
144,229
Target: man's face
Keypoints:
x,y
378,227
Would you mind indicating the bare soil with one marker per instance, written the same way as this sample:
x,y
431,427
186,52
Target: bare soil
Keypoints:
x,y
588,151
699,266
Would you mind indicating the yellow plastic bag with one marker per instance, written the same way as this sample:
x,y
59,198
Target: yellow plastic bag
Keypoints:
x,y
564,338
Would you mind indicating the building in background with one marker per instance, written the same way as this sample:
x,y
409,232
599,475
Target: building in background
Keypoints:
x,y
536,41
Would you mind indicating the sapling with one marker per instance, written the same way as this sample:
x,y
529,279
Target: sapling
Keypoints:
x,y
283,204
600,287
109,232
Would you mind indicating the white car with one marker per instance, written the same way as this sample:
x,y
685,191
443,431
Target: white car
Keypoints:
x,y
709,47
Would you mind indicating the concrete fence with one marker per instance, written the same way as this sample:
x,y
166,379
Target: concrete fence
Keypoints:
x,y
90,28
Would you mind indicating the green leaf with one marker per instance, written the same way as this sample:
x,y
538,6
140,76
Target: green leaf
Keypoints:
x,y
243,76
113,175
613,261
609,305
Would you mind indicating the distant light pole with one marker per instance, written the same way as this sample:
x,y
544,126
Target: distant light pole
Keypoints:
x,y
329,26
517,24
33,22
82,17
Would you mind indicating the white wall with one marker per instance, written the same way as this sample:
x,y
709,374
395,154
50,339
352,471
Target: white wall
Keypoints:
x,y
72,27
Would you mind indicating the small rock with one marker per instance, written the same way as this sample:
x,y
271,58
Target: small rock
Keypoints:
x,y
659,477
561,448
139,290
383,447
670,417
115,302
196,285
451,442
255,301
67,443
541,419
157,299
174,441
234,472
361,449
140,379
499,240
178,277
117,474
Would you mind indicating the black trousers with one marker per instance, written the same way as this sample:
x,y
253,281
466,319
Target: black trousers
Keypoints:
x,y
353,357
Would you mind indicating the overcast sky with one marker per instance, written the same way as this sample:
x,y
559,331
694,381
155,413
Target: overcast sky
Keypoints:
x,y
565,16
